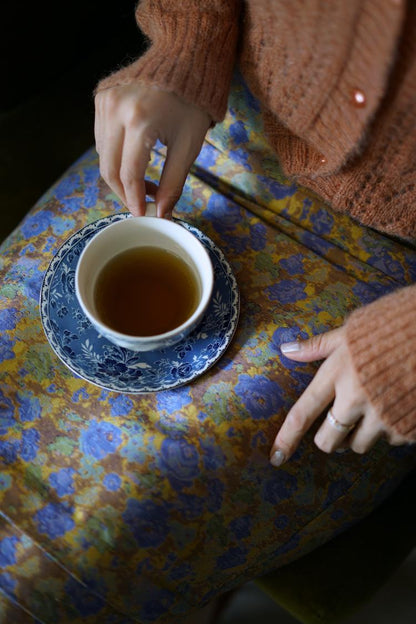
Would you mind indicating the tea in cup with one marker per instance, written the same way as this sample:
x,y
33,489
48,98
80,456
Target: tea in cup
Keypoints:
x,y
144,282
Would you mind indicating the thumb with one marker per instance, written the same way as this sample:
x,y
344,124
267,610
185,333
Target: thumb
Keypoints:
x,y
318,347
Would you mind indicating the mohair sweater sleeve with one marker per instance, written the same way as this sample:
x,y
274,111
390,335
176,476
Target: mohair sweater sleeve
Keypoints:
x,y
192,51
382,341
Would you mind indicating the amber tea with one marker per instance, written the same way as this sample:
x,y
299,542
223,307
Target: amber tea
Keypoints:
x,y
145,291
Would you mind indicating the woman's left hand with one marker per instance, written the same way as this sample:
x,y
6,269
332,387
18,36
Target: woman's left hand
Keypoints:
x,y
352,421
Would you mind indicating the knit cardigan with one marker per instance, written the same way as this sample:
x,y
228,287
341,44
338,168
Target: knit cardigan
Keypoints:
x,y
337,86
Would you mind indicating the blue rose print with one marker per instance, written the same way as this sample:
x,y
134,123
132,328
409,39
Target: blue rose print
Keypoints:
x,y
173,400
385,261
100,439
9,450
112,482
293,264
7,584
30,408
411,262
121,405
8,551
278,190
322,221
180,460
215,494
258,236
36,223
181,571
207,158
287,291
232,557
6,348
261,396
62,481
238,133
157,604
316,243
7,419
29,444
280,487
32,285
60,226
5,481
67,186
223,213
213,456
148,522
71,204
8,318
54,520
369,291
240,155
80,395
336,489
241,526
191,506
86,601
282,521
91,175
288,546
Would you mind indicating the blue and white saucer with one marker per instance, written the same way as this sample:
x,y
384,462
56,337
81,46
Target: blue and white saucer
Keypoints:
x,y
92,357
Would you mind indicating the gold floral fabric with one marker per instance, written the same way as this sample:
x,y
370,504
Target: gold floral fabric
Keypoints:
x,y
119,508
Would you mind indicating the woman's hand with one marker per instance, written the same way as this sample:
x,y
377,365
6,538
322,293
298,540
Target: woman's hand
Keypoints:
x,y
352,422
128,121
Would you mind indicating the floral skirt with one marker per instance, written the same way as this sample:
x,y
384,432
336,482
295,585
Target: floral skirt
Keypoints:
x,y
120,507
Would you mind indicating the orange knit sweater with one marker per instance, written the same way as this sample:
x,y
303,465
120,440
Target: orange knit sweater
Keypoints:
x,y
337,84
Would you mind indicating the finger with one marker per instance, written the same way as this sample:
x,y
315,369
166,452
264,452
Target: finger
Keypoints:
x,y
304,412
395,439
135,159
367,433
316,348
179,159
98,123
110,160
329,436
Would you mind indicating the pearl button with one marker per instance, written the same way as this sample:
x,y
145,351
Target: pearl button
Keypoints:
x,y
358,98
323,160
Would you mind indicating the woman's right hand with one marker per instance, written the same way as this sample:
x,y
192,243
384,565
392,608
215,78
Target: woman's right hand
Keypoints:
x,y
128,121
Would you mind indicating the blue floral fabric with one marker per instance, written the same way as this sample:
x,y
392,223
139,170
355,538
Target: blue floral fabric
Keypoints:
x,y
119,508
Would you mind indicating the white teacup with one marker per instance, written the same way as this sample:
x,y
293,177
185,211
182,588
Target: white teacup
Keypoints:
x,y
133,232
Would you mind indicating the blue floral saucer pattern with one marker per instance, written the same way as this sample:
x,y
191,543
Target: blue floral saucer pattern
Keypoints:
x,y
92,357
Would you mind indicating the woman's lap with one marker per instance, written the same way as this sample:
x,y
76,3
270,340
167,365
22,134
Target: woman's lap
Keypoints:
x,y
127,507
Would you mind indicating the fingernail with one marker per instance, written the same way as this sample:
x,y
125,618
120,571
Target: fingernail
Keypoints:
x,y
290,347
277,459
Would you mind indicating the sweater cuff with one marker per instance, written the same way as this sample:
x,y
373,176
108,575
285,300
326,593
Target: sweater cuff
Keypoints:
x,y
382,342
192,54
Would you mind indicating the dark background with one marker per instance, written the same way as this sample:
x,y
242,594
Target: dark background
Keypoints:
x,y
52,56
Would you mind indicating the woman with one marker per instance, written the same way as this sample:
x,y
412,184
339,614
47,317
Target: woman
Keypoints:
x,y
336,84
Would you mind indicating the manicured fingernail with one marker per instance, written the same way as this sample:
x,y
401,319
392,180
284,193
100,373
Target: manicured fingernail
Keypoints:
x,y
290,347
277,459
